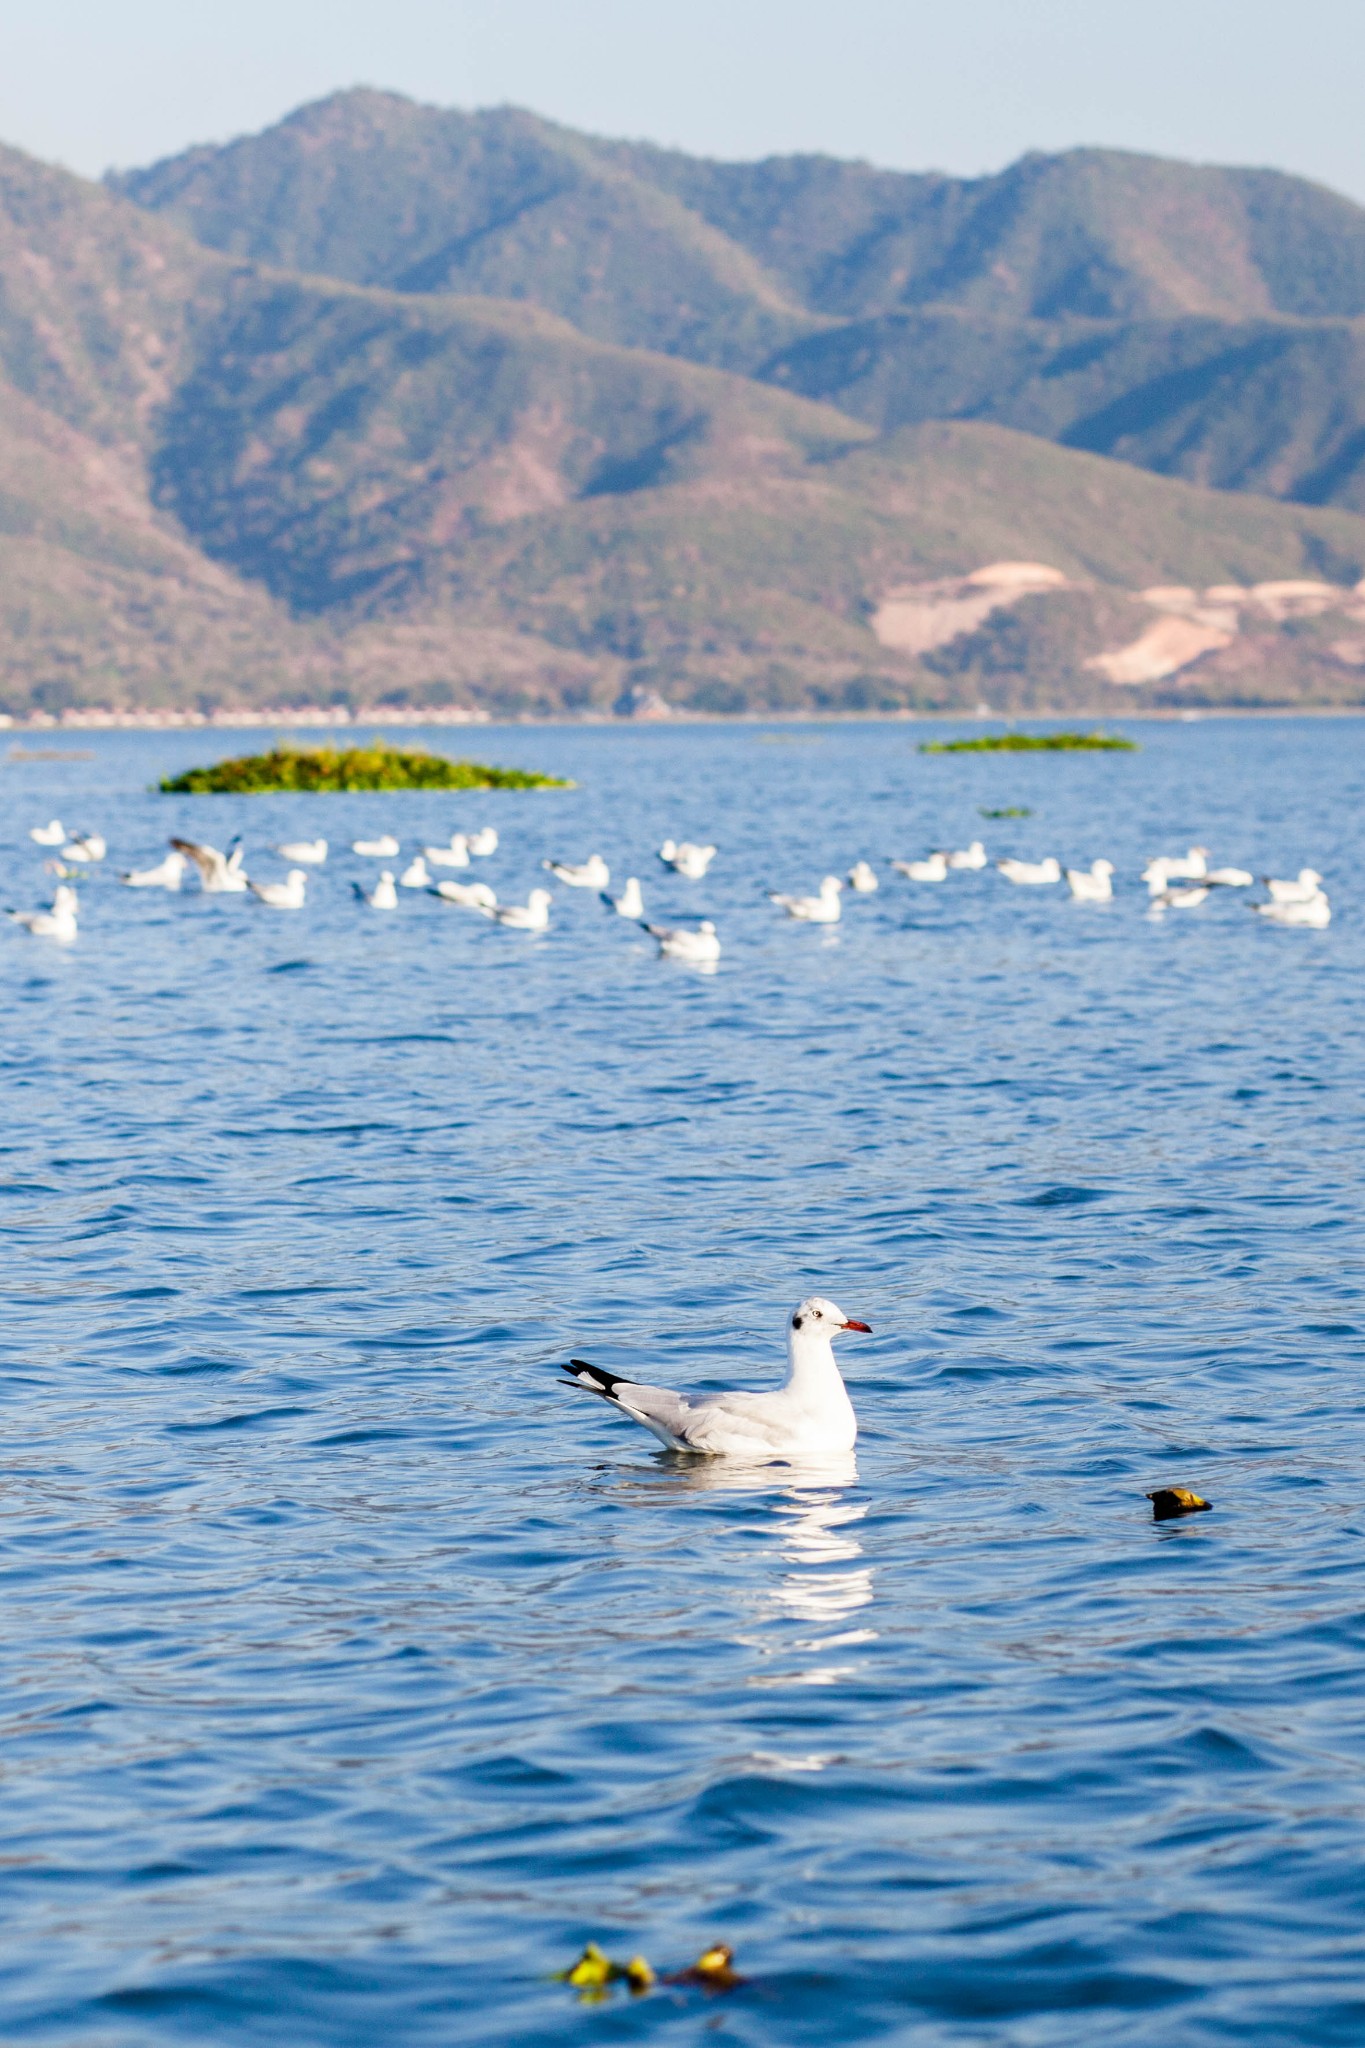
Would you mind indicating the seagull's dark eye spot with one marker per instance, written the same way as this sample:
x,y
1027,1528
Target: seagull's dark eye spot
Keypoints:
x,y
796,1322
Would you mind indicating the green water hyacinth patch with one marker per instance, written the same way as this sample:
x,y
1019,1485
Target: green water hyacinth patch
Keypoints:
x,y
324,770
1034,743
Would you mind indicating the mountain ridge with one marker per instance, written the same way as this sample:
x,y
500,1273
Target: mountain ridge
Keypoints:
x,y
229,480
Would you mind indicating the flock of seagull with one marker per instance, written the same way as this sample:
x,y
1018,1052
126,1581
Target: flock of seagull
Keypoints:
x,y
1174,882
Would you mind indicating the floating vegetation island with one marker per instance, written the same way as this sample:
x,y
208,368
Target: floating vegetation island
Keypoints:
x,y
1034,743
287,770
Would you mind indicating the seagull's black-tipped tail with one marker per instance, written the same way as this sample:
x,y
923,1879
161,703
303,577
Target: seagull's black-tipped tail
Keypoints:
x,y
593,1378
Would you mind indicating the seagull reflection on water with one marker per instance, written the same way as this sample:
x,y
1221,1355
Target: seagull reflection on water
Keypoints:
x,y
814,1521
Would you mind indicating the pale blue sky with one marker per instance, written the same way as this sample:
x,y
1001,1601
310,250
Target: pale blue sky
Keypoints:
x,y
959,85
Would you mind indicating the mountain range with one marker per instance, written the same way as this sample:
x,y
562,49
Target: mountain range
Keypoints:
x,y
396,405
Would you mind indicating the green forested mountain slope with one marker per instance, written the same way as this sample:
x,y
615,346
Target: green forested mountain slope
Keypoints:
x,y
1189,319
376,189
1272,406
370,188
1095,233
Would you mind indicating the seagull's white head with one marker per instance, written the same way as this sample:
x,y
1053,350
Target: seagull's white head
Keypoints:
x,y
539,899
831,886
820,1317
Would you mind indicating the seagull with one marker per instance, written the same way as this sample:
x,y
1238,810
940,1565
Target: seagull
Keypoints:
x,y
1034,874
1092,884
698,946
531,916
57,923
822,909
1312,910
630,903
456,855
383,896
285,895
482,842
1188,898
414,875
592,874
934,869
168,874
687,860
220,874
308,853
1172,868
384,848
469,895
85,846
53,834
1229,878
810,1416
1303,890
971,857
862,879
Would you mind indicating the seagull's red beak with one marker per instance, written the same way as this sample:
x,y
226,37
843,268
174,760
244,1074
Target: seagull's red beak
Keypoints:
x,y
866,1328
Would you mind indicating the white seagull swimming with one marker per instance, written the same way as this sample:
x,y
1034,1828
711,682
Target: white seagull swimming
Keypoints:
x,y
483,842
456,855
1314,911
57,923
383,896
1303,889
167,874
1031,874
593,873
52,834
822,909
415,875
531,916
862,878
1092,884
308,853
1229,878
85,846
285,895
469,895
1192,867
810,1416
696,944
630,902
970,858
1188,896
220,874
686,859
934,868
385,847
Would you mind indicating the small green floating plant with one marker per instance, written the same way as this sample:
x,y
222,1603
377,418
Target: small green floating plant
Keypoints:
x,y
1034,743
325,770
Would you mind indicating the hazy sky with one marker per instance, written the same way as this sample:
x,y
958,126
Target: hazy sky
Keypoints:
x,y
961,85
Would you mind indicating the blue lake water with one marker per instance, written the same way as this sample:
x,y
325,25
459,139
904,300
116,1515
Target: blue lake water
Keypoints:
x,y
353,1673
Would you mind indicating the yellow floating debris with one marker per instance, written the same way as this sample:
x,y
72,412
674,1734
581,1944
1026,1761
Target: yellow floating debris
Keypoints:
x,y
1176,1500
591,1970
712,1970
595,1970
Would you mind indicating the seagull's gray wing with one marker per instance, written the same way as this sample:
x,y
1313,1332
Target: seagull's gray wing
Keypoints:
x,y
207,859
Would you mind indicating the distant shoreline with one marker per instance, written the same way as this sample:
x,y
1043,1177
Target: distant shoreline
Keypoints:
x,y
45,724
